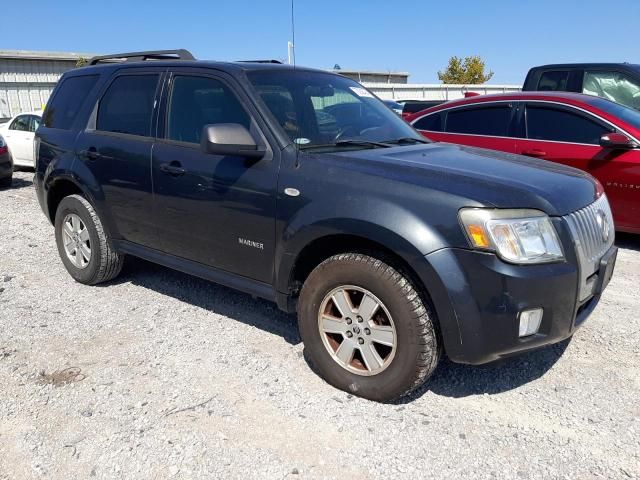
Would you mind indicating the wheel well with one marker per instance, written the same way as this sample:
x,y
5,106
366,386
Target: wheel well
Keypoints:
x,y
319,250
61,189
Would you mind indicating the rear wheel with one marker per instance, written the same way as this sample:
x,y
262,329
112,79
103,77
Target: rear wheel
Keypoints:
x,y
6,182
366,328
83,245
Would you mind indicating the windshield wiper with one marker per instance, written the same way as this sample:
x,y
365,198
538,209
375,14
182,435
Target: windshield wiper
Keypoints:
x,y
406,141
350,142
361,142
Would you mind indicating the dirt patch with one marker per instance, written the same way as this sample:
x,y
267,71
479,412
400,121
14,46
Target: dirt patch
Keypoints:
x,y
61,377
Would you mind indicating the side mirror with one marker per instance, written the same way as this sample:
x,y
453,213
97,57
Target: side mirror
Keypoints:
x,y
618,141
230,139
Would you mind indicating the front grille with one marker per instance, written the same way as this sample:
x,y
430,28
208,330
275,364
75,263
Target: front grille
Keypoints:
x,y
588,227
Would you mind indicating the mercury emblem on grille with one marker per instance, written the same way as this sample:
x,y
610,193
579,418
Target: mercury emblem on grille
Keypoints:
x,y
603,225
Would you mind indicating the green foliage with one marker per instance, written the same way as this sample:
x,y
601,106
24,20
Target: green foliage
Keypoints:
x,y
81,62
469,71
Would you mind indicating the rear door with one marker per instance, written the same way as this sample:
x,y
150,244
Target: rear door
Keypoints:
x,y
19,137
571,136
116,148
485,125
217,210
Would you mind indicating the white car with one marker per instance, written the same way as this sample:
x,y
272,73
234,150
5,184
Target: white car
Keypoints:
x,y
19,134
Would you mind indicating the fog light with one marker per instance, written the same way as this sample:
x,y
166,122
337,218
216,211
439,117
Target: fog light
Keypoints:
x,y
530,322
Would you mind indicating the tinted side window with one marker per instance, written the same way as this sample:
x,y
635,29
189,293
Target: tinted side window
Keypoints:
x,y
127,105
432,122
492,121
66,103
554,81
199,101
545,123
20,124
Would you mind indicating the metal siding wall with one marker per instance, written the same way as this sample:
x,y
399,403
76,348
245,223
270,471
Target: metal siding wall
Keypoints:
x,y
27,84
410,91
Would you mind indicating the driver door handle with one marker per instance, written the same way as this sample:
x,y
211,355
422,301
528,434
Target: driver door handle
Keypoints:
x,y
172,168
534,152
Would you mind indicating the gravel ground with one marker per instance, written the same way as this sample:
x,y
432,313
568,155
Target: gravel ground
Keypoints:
x,y
161,375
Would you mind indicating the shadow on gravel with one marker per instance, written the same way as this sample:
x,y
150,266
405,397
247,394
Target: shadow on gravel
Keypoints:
x,y
19,183
210,296
629,241
456,380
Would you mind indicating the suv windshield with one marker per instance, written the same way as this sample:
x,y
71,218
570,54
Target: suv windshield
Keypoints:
x,y
329,112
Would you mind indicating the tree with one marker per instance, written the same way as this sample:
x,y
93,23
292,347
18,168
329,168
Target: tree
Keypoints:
x,y
469,71
81,62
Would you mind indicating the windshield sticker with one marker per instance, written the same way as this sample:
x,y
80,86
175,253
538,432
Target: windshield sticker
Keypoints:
x,y
302,141
361,92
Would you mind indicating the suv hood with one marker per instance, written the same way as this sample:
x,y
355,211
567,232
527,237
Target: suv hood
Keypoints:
x,y
497,179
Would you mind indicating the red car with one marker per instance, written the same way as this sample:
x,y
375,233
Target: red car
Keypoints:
x,y
582,131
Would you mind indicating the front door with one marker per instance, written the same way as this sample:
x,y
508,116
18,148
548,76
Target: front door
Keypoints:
x,y
572,137
116,148
217,210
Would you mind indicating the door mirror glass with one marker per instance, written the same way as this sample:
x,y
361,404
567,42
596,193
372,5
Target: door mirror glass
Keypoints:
x,y
229,139
617,141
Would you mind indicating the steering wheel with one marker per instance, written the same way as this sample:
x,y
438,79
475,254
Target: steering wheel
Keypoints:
x,y
349,129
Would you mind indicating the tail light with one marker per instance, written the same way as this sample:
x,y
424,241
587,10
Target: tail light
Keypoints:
x,y
3,146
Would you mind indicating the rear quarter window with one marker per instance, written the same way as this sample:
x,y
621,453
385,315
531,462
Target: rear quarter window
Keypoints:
x,y
432,122
66,103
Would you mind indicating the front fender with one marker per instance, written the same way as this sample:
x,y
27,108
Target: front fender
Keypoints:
x,y
390,225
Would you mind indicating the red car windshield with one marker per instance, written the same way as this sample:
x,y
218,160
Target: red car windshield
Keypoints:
x,y
626,114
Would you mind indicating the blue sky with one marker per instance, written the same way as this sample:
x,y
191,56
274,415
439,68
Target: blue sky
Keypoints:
x,y
414,36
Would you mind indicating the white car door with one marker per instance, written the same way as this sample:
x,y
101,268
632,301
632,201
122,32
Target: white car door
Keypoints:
x,y
19,138
33,126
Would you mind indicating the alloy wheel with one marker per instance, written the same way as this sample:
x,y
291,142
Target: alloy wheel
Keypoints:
x,y
357,330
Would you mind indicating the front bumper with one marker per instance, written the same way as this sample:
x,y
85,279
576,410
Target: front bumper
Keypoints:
x,y
481,297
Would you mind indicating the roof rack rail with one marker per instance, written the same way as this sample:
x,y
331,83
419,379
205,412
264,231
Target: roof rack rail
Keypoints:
x,y
261,61
180,54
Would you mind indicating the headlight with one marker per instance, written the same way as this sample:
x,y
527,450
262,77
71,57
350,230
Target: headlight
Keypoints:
x,y
517,236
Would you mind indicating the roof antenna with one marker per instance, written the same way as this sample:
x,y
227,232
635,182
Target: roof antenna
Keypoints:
x,y
292,57
291,46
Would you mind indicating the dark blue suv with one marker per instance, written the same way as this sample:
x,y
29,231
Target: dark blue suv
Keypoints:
x,y
301,187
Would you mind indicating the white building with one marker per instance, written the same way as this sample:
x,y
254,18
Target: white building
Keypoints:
x,y
27,78
434,91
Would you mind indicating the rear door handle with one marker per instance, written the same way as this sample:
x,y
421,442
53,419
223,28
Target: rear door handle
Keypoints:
x,y
534,152
173,168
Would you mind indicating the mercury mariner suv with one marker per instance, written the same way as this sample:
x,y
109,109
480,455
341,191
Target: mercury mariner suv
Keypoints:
x,y
301,187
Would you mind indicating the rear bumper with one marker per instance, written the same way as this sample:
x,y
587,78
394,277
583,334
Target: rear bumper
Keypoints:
x,y
481,296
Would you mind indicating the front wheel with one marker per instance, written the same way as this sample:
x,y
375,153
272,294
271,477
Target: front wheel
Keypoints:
x,y
366,328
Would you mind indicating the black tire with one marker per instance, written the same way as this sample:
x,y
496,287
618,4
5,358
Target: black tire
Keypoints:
x,y
105,263
6,182
417,350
